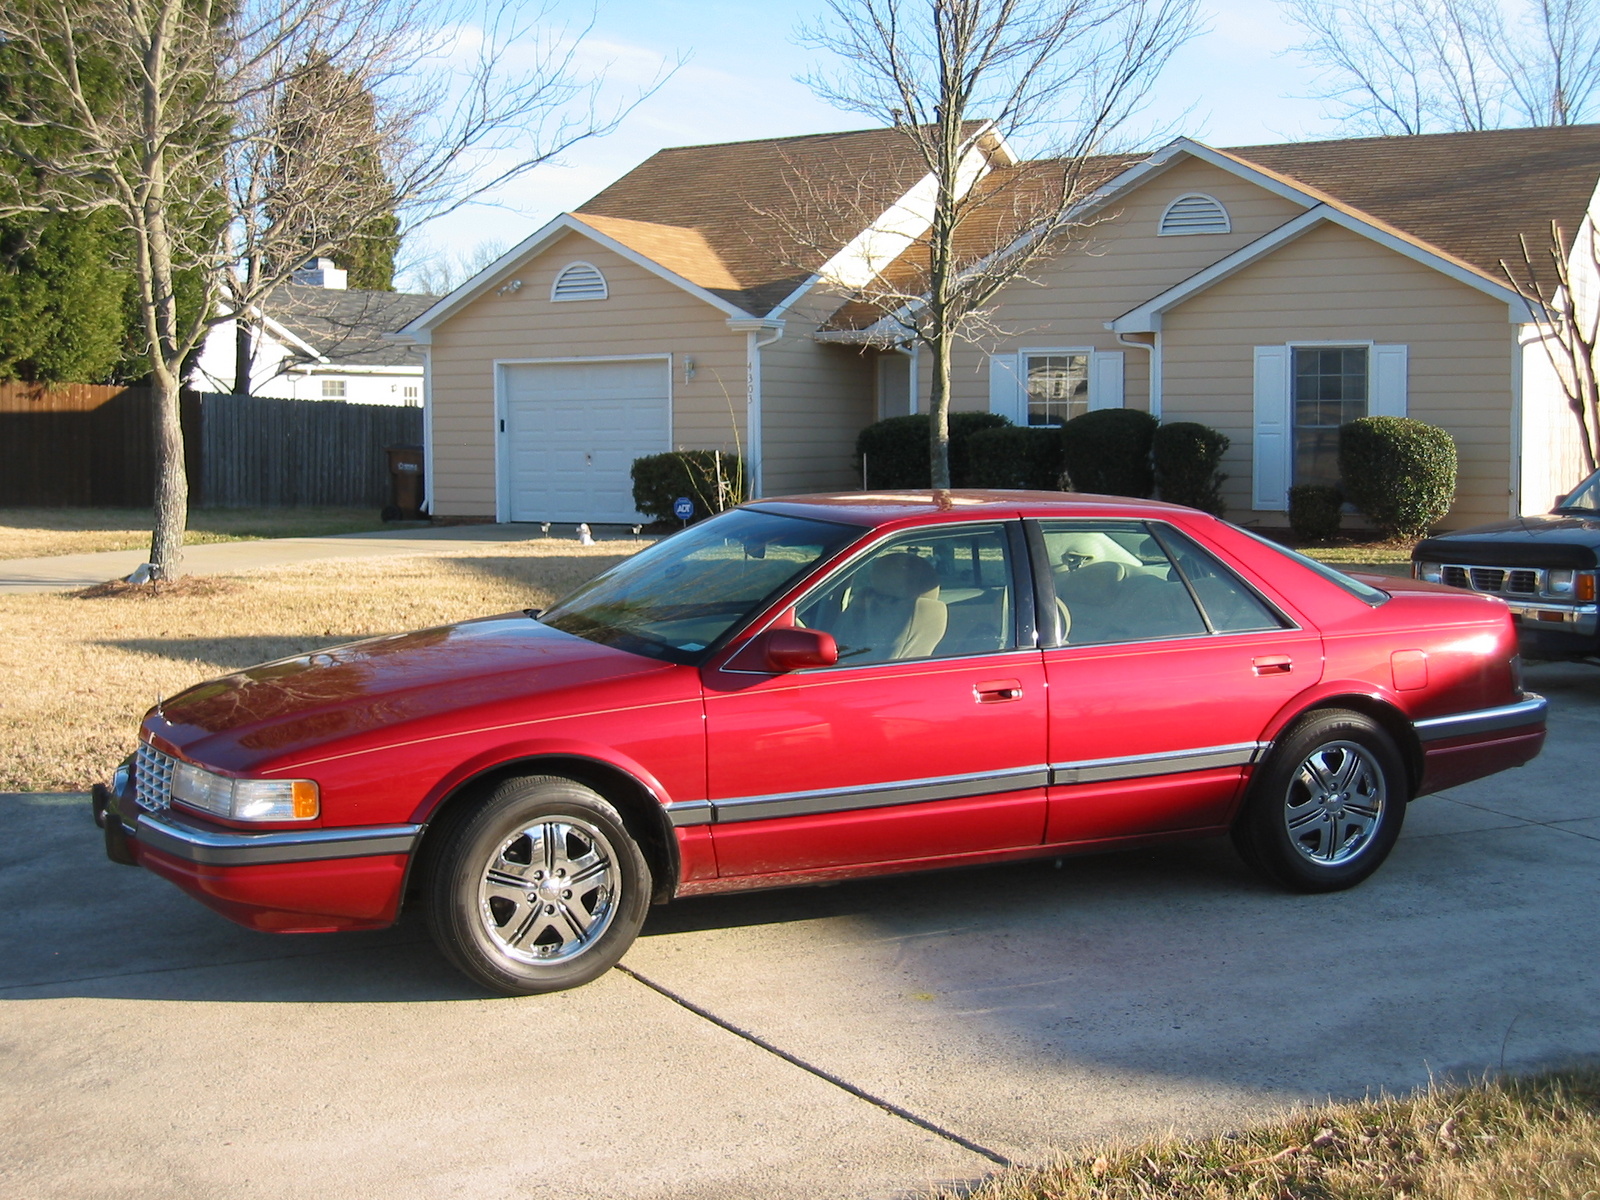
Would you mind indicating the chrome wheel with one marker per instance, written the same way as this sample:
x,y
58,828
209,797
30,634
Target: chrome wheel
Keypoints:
x,y
549,892
1335,803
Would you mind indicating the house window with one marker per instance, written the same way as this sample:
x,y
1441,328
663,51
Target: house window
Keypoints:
x,y
579,281
1058,388
1331,386
412,393
333,389
1194,213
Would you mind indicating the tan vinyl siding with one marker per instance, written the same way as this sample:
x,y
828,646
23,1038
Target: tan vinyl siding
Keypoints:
x,y
1332,285
644,314
1117,264
815,399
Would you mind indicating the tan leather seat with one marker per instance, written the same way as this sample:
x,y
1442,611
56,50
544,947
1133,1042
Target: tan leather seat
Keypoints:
x,y
896,614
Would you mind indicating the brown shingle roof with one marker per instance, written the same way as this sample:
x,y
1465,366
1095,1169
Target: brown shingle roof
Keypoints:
x,y
1467,195
348,326
753,220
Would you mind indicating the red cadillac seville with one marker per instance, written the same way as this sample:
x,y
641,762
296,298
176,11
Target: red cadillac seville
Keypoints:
x,y
813,688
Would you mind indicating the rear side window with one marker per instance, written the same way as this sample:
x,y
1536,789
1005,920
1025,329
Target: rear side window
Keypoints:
x,y
1230,606
1114,583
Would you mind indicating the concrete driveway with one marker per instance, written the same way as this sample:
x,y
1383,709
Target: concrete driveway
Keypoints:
x,y
860,1040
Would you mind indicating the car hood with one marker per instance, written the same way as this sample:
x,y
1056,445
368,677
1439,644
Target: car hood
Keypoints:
x,y
1557,540
364,690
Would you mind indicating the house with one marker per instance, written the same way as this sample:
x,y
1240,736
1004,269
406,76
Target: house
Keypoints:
x,y
315,339
709,299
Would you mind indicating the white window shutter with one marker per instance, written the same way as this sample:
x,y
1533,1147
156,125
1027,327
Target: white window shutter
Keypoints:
x,y
1272,430
1389,365
1006,394
1105,379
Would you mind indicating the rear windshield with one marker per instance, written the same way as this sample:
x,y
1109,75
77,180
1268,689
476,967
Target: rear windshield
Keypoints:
x,y
1361,591
675,599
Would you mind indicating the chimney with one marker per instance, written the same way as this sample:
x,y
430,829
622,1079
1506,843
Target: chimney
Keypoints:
x,y
320,272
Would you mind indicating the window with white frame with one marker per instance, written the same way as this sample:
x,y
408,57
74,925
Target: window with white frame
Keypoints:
x,y
1057,387
1331,385
333,389
412,393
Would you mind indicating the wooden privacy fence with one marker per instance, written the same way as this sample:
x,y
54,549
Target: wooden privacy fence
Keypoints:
x,y
85,444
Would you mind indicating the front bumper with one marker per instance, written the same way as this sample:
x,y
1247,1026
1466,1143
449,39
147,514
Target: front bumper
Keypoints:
x,y
301,880
1551,630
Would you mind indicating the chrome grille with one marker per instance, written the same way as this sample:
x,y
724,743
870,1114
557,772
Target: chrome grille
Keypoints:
x,y
152,778
1488,579
1497,581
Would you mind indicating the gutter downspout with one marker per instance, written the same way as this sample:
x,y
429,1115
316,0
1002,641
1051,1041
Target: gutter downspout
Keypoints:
x,y
753,328
1153,349
429,479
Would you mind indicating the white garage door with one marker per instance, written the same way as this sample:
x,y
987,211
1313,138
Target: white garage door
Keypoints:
x,y
573,431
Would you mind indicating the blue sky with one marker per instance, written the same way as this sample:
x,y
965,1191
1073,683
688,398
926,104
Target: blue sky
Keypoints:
x,y
1237,84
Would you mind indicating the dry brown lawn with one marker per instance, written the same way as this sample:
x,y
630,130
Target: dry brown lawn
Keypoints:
x,y
1500,1140
76,675
41,532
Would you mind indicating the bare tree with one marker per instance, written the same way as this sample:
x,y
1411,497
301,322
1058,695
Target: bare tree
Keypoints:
x,y
439,272
1429,66
946,73
1561,280
187,145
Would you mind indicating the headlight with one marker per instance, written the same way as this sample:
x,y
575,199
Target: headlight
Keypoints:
x,y
245,799
1560,583
1432,572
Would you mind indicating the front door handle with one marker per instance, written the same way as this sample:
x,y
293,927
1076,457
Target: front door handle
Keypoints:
x,y
1273,664
997,691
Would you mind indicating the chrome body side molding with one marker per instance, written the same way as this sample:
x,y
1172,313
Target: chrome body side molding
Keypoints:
x,y
1530,710
176,837
1137,766
877,795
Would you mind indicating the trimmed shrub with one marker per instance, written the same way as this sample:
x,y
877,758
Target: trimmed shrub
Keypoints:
x,y
1108,451
1186,456
1016,456
1314,511
1399,473
713,479
895,450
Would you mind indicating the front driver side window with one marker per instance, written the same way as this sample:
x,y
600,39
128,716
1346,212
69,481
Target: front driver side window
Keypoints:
x,y
940,593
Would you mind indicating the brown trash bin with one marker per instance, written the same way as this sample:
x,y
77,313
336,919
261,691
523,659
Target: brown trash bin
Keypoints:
x,y
405,484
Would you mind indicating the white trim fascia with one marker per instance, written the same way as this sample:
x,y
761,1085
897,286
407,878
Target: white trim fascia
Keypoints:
x,y
429,480
419,329
328,367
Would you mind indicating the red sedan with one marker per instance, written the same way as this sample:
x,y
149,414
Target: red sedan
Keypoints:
x,y
814,688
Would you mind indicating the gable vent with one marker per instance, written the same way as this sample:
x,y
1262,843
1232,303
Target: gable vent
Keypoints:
x,y
1195,213
579,281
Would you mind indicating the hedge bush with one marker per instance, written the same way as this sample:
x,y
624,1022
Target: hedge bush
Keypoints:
x,y
1186,455
1314,511
659,479
895,450
1108,451
1399,473
1016,456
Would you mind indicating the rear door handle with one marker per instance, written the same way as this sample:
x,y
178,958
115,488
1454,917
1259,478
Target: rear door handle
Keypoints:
x,y
1273,664
997,691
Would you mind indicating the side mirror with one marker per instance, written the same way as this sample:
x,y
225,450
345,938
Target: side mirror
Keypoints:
x,y
793,649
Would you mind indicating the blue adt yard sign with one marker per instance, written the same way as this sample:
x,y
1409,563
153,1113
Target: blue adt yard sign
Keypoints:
x,y
683,508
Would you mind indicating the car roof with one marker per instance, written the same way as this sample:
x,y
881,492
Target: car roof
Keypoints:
x,y
891,506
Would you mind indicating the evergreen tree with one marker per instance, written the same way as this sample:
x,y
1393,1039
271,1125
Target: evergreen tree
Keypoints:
x,y
62,315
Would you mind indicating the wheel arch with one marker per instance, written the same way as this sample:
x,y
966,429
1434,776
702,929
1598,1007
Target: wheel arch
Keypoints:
x,y
1387,716
641,811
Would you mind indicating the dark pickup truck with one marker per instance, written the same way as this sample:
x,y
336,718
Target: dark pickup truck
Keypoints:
x,y
1543,567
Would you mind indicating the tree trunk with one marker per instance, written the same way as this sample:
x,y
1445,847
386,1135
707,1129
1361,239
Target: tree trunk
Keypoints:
x,y
243,356
172,481
939,416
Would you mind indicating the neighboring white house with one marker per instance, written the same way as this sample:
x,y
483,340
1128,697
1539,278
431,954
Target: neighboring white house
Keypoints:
x,y
316,339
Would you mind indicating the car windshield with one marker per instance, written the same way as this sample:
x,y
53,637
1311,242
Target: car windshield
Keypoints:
x,y
1361,591
1585,498
675,599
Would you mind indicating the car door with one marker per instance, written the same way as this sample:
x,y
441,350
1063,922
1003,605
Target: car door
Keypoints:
x,y
1164,670
925,740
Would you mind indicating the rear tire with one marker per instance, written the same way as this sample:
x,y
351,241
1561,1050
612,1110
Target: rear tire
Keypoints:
x,y
1326,807
538,889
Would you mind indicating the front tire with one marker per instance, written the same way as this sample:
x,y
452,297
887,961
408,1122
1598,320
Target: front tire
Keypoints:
x,y
538,889
1326,807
